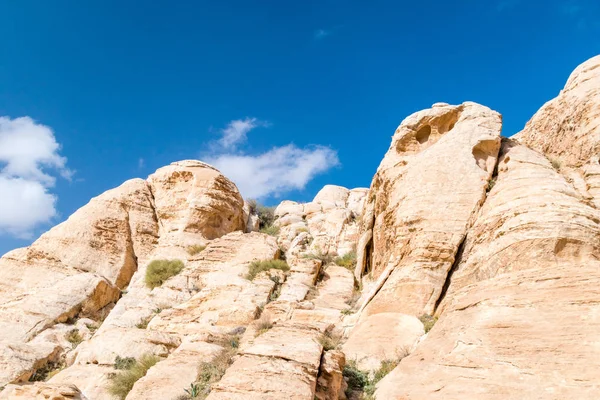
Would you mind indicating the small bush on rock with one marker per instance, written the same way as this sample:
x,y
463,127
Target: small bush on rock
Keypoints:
x,y
330,341
123,363
74,337
159,271
348,260
428,321
271,230
259,266
122,383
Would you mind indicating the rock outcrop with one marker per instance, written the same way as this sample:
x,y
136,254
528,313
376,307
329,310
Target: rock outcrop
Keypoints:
x,y
423,198
469,270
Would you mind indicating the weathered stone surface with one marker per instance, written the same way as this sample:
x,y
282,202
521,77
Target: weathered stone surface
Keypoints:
x,y
532,218
194,199
104,347
42,391
18,361
567,128
330,221
169,377
330,381
381,337
531,334
92,379
426,191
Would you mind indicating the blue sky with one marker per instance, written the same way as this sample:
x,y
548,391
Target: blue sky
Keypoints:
x,y
287,96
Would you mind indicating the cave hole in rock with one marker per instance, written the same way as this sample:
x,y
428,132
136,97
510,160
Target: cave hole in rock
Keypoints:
x,y
423,134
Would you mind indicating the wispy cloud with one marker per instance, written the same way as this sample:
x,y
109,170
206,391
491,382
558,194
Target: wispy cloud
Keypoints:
x,y
141,163
321,34
30,160
236,132
272,173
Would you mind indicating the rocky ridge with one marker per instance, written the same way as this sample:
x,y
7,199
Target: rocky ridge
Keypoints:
x,y
469,269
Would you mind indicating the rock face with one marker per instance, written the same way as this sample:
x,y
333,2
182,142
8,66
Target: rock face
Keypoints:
x,y
329,222
567,128
78,268
476,277
426,191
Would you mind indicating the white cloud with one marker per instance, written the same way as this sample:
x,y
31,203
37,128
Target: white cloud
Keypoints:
x,y
321,34
236,132
28,151
277,171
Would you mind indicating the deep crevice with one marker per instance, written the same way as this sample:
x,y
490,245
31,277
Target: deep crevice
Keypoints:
x,y
453,268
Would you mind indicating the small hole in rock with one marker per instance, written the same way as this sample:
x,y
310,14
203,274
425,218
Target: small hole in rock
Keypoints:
x,y
423,134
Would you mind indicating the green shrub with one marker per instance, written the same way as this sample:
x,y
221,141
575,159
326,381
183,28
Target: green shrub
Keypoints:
x,y
159,271
266,215
428,321
143,324
271,230
386,367
348,260
265,265
347,311
74,337
123,363
122,383
356,378
195,249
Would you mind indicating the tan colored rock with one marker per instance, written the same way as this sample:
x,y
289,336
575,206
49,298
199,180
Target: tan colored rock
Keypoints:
x,y
567,128
18,361
42,391
169,377
533,218
531,334
105,346
326,225
426,191
281,364
193,200
381,337
330,381
92,379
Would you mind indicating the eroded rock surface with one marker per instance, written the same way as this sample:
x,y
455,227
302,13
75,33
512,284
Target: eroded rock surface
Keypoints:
x,y
423,197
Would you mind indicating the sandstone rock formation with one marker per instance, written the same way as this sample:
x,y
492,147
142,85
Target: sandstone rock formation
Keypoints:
x,y
469,269
423,197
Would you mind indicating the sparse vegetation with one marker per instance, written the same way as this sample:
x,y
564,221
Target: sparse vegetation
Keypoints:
x,y
276,290
211,372
491,183
123,363
143,324
325,258
556,163
159,271
347,261
47,371
356,378
195,249
428,321
122,383
359,381
263,325
265,265
347,311
330,341
272,230
74,337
